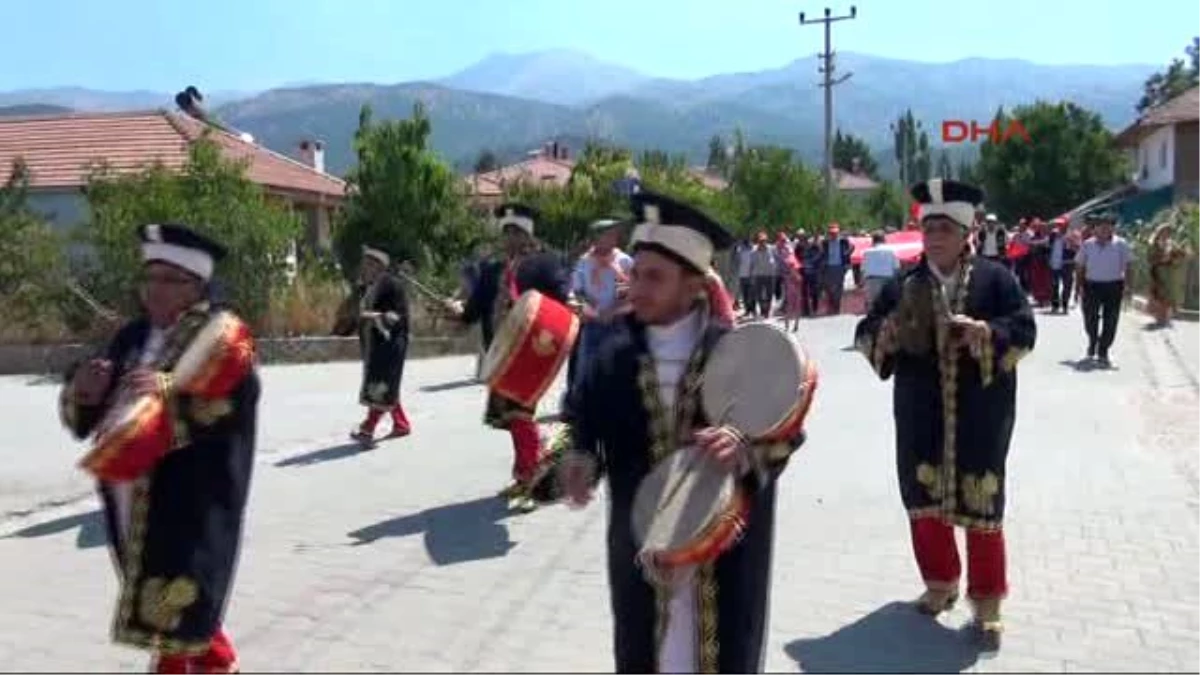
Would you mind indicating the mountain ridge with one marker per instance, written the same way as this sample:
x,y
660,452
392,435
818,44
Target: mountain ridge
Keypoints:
x,y
522,100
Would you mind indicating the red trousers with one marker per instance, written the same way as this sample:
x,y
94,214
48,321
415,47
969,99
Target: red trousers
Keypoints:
x,y
527,448
221,657
937,557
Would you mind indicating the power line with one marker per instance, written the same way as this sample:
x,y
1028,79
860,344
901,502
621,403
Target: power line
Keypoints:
x,y
827,68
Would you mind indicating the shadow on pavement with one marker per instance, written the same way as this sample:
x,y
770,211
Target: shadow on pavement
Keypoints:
x,y
1086,365
92,532
454,533
322,455
892,639
448,386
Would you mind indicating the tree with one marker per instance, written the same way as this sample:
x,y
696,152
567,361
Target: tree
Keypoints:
x,y
888,204
31,260
718,155
911,145
212,195
944,168
1176,79
851,152
1070,159
403,199
487,161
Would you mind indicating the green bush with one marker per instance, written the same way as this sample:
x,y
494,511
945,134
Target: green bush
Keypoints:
x,y
212,195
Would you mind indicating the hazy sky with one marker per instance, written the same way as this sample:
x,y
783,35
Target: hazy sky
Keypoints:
x,y
252,44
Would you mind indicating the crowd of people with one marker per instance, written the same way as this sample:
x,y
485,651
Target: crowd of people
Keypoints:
x,y
171,404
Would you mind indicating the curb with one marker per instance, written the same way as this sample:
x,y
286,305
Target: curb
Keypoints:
x,y
48,359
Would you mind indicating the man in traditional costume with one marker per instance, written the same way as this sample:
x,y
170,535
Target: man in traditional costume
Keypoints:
x,y
383,338
173,403
951,332
637,402
501,284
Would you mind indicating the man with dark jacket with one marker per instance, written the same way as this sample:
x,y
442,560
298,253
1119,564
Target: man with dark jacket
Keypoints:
x,y
834,261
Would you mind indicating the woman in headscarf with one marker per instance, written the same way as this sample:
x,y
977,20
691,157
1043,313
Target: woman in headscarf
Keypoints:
x,y
793,287
1163,256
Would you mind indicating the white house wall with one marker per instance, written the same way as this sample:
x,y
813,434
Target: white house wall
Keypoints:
x,y
1156,159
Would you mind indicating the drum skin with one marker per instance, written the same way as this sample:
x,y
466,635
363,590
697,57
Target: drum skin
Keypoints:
x,y
761,381
530,348
137,437
688,510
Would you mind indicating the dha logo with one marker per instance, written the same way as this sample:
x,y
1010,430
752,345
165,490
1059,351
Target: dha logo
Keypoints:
x,y
960,131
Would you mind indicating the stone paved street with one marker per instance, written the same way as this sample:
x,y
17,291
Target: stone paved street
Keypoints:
x,y
400,559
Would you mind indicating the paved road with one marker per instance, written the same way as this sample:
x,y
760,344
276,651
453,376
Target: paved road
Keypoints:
x,y
398,559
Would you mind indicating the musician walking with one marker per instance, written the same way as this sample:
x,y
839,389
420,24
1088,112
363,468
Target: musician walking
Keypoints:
x,y
383,339
500,285
951,331
636,402
173,471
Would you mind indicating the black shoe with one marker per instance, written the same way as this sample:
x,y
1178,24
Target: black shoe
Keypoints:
x,y
1104,362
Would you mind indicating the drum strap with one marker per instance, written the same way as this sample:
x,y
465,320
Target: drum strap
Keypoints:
x,y
181,336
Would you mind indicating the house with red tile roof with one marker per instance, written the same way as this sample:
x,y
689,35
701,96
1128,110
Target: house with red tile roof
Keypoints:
x,y
60,151
1163,144
551,165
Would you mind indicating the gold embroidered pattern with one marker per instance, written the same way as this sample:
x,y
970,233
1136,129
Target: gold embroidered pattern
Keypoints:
x,y
377,390
543,344
707,620
931,478
208,411
1011,357
163,602
979,492
948,357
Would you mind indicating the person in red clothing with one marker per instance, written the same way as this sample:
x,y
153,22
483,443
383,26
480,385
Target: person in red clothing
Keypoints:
x,y
171,406
383,334
524,268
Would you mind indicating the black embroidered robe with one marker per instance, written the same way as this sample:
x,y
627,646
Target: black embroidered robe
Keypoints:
x,y
182,523
616,416
954,412
500,284
384,342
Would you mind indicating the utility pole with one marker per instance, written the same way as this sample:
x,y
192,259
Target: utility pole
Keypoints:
x,y
827,69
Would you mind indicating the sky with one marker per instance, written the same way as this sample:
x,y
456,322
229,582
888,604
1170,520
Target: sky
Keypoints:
x,y
161,45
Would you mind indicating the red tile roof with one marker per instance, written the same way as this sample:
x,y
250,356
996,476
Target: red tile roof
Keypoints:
x,y
539,170
853,182
59,150
1183,108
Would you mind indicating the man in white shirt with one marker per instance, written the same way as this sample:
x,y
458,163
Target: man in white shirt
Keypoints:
x,y
1101,268
879,264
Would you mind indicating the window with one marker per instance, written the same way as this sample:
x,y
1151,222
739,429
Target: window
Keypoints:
x,y
1162,155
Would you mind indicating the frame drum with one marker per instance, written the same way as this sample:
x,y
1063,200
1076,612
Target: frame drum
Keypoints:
x,y
759,380
687,510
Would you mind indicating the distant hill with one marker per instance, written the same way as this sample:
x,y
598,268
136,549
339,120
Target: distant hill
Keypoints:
x,y
80,98
509,102
558,76
31,109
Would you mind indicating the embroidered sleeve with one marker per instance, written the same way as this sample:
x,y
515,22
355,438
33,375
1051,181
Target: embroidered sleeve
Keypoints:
x,y
872,338
1013,330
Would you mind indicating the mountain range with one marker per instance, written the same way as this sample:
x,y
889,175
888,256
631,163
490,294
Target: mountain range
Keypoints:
x,y
509,103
